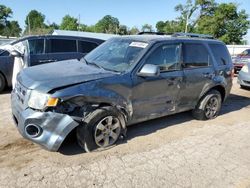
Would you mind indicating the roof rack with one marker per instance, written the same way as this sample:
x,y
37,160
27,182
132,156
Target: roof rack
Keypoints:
x,y
153,33
193,35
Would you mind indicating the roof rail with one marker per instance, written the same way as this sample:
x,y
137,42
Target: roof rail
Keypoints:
x,y
153,33
193,35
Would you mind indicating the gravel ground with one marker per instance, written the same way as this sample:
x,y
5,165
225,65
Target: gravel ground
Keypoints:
x,y
175,151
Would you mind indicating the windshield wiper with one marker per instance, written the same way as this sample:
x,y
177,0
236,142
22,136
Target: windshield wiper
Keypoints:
x,y
98,66
92,63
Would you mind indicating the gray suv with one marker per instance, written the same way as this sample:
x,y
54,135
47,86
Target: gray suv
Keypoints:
x,y
124,81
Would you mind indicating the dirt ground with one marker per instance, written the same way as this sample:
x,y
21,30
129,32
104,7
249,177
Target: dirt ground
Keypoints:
x,y
175,151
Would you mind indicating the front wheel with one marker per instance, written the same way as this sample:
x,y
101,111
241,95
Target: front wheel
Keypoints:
x,y
102,129
209,106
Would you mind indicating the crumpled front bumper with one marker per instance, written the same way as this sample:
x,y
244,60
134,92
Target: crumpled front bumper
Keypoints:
x,y
54,127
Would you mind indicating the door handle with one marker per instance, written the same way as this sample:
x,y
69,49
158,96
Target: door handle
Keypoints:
x,y
43,61
208,75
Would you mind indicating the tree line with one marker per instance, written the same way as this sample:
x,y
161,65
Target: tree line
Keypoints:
x,y
222,20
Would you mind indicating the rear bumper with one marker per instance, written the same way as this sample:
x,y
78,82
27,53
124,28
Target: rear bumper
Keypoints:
x,y
53,127
244,79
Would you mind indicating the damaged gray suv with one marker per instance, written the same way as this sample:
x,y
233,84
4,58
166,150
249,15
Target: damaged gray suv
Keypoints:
x,y
124,81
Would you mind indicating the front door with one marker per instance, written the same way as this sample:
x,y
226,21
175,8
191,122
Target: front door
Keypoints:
x,y
157,96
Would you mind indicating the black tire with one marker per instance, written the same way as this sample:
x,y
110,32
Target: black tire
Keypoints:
x,y
209,106
87,133
2,82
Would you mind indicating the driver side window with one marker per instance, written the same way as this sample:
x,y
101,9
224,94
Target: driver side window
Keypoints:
x,y
167,57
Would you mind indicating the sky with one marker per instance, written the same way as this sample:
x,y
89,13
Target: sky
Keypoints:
x,y
129,12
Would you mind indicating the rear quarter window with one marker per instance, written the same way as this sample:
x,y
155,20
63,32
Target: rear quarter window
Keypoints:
x,y
86,47
220,53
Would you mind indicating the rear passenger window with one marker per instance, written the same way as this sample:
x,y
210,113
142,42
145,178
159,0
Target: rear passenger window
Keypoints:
x,y
36,46
62,45
195,55
86,47
220,53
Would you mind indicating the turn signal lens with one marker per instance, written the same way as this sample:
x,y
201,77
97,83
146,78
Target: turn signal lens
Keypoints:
x,y
52,102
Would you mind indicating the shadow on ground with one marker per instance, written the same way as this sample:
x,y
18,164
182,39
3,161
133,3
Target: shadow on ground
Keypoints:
x,y
233,103
6,91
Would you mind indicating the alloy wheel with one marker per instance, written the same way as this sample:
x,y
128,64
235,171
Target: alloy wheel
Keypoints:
x,y
107,131
212,107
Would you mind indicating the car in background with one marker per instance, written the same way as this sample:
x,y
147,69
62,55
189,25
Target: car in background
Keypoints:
x,y
244,76
45,49
240,60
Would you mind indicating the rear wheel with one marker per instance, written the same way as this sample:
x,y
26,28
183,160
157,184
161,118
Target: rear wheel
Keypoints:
x,y
209,106
102,129
2,82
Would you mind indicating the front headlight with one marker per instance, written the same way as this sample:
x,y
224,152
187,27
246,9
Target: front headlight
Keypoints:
x,y
245,69
40,100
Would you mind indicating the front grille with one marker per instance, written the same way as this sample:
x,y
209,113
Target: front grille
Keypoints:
x,y
22,94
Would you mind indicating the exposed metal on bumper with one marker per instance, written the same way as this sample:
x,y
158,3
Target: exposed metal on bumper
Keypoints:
x,y
244,79
55,127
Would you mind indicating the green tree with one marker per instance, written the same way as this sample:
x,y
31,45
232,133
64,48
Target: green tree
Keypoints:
x,y
226,23
5,13
34,21
69,23
107,24
160,26
192,11
223,21
54,26
147,28
12,29
123,30
90,28
134,31
8,28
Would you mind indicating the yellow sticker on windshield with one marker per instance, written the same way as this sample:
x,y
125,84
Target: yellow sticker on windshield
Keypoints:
x,y
139,44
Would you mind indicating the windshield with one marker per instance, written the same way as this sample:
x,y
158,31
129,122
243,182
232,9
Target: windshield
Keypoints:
x,y
116,54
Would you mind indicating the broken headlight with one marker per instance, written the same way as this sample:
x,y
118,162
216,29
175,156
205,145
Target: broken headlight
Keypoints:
x,y
40,100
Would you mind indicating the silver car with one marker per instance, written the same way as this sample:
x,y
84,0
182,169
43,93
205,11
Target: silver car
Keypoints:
x,y
244,76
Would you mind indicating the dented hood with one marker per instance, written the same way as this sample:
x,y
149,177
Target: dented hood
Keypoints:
x,y
46,77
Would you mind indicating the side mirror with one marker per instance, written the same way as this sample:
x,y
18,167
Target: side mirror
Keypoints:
x,y
149,70
15,53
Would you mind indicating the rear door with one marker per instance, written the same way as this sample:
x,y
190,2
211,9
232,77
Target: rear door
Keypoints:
x,y
59,49
198,72
36,51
